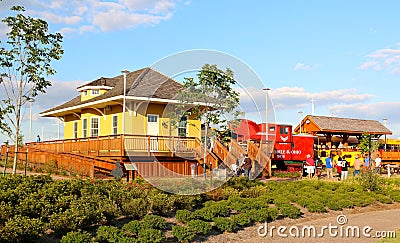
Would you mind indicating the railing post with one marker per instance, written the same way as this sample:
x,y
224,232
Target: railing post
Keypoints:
x,y
122,147
26,161
5,162
148,145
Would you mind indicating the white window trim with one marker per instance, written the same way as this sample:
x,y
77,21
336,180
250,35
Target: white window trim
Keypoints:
x,y
98,123
93,90
186,128
112,124
87,127
75,132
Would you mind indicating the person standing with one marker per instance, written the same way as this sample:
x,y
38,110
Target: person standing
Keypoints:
x,y
329,167
357,165
310,166
345,169
378,162
38,139
366,162
246,166
338,165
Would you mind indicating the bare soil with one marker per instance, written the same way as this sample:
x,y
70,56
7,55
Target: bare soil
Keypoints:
x,y
380,217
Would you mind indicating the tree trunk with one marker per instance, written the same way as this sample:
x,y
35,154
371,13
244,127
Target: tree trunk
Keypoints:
x,y
14,171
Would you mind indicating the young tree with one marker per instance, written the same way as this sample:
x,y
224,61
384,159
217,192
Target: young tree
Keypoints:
x,y
368,144
25,59
211,98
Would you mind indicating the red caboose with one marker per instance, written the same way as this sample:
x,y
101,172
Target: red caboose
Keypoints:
x,y
289,150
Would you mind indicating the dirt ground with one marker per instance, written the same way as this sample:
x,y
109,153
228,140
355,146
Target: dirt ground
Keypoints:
x,y
374,219
378,217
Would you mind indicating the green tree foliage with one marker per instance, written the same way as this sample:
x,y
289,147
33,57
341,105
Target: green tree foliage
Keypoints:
x,y
211,97
367,143
25,59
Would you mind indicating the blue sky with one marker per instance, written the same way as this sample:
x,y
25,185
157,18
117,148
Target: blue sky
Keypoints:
x,y
344,54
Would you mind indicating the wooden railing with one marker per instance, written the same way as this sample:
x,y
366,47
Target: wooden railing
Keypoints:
x,y
224,154
256,154
87,155
120,145
81,164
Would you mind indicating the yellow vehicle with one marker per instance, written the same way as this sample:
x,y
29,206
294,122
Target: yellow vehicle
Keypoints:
x,y
348,155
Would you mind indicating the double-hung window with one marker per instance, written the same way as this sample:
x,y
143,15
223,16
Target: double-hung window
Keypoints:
x,y
84,127
76,129
115,124
182,127
94,127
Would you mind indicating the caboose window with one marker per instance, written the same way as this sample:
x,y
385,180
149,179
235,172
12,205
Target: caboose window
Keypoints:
x,y
272,129
284,130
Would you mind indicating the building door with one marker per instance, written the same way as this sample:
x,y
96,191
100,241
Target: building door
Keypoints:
x,y
153,130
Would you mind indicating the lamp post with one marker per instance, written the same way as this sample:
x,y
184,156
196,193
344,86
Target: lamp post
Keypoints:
x,y
266,114
266,130
384,122
301,119
31,100
124,72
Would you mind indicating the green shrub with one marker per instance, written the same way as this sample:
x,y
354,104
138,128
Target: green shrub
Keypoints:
x,y
258,215
184,216
224,224
288,210
154,222
273,213
281,200
151,235
210,212
135,207
183,233
187,202
345,203
133,227
395,195
370,180
316,207
77,236
241,219
230,191
160,203
21,229
383,199
199,226
109,234
334,205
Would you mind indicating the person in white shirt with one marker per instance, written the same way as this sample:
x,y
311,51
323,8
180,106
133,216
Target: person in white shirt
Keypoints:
x,y
378,162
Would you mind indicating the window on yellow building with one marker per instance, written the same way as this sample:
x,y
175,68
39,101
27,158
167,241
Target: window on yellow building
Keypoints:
x,y
84,127
94,126
76,129
182,127
115,124
95,92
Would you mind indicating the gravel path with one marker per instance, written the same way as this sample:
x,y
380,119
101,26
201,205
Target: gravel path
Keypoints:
x,y
379,217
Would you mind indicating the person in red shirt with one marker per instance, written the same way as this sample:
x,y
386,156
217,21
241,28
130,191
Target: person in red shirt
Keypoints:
x,y
310,166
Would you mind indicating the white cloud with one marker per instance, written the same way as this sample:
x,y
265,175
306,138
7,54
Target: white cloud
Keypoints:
x,y
286,98
383,59
375,111
57,94
76,16
302,66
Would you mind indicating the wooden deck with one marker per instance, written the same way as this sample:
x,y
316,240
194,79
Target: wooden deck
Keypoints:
x,y
153,156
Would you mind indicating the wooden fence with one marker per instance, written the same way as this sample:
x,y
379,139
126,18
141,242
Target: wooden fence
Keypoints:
x,y
168,168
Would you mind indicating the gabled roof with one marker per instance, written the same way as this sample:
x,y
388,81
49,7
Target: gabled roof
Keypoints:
x,y
353,126
143,83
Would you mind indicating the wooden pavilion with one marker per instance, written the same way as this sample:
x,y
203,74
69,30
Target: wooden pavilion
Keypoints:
x,y
342,127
